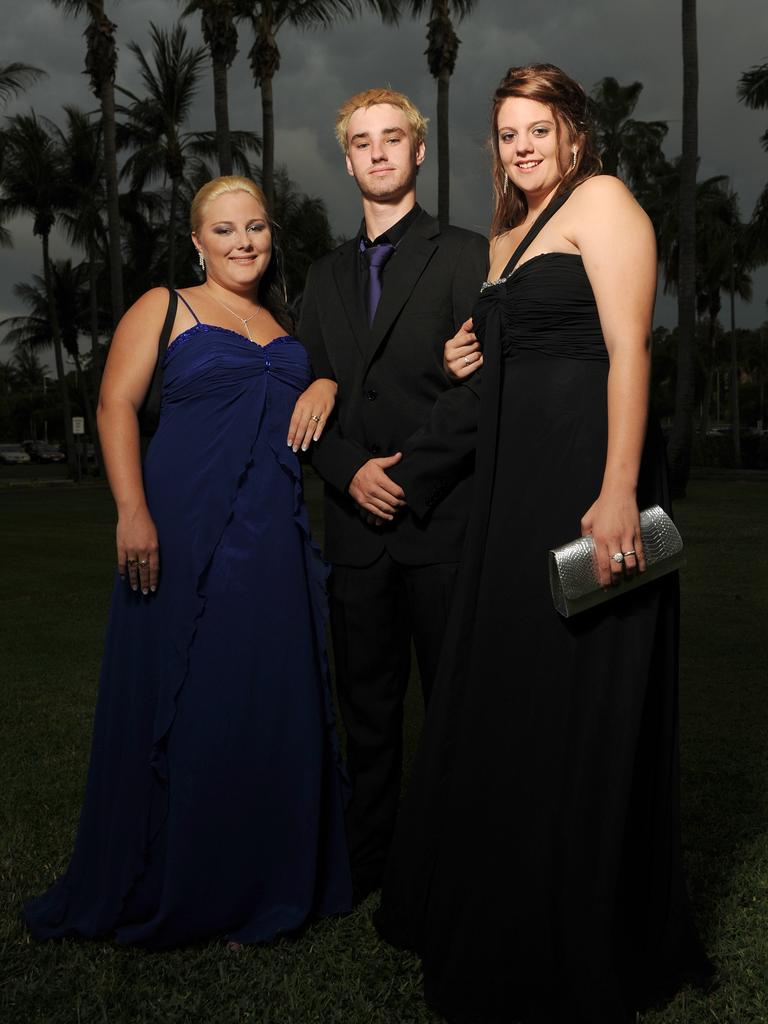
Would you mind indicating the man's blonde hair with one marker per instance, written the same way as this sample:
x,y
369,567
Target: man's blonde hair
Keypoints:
x,y
372,98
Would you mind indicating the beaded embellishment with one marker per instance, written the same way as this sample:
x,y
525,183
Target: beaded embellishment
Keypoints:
x,y
492,284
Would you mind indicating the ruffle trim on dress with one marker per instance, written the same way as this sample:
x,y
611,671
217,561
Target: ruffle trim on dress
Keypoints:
x,y
189,613
188,617
317,573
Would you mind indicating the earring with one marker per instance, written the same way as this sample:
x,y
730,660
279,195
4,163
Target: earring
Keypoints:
x,y
506,182
201,259
573,158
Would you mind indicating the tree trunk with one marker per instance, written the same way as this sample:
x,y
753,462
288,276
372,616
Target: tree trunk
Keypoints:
x,y
268,144
735,411
53,320
443,148
90,416
682,427
221,115
93,311
709,378
93,301
113,200
172,233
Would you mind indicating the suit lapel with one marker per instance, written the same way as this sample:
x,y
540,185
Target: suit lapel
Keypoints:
x,y
401,276
346,275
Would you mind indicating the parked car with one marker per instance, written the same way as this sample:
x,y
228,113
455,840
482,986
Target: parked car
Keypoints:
x,y
12,454
40,451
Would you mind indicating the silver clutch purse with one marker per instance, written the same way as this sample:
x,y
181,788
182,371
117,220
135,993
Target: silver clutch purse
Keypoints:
x,y
573,574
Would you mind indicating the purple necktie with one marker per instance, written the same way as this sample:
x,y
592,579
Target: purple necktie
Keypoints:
x,y
377,256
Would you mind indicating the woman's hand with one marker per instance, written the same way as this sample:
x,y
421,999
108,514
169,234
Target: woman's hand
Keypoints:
x,y
311,412
462,355
614,523
138,554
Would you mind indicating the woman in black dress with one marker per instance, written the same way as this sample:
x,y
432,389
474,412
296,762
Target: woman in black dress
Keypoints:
x,y
537,865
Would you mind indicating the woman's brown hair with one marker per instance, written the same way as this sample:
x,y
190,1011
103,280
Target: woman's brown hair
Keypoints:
x,y
546,84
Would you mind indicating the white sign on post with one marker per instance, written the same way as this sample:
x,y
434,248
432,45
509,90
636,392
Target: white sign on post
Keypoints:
x,y
78,424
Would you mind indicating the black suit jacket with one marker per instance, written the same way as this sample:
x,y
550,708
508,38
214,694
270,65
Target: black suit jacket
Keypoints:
x,y
390,376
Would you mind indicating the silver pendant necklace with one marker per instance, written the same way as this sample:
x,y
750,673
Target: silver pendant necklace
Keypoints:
x,y
243,320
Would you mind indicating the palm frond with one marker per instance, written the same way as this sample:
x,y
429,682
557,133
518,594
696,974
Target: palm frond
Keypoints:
x,y
753,87
16,77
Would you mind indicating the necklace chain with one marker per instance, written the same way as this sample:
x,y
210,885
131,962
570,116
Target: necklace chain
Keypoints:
x,y
243,320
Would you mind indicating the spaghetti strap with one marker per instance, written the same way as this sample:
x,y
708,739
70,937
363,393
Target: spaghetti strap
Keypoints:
x,y
194,314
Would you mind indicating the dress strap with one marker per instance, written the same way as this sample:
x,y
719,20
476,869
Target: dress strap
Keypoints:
x,y
546,214
194,314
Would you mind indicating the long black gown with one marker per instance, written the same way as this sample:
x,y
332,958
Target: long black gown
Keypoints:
x,y
536,866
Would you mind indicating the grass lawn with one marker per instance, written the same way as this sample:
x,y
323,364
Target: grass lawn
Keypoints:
x,y
54,587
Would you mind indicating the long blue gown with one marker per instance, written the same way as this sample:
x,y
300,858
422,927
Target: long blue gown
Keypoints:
x,y
213,803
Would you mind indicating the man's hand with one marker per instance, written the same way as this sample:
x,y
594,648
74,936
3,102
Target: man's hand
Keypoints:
x,y
374,492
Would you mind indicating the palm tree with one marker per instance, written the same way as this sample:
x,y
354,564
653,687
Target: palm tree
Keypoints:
x,y
304,232
15,78
82,217
629,149
32,184
220,35
28,370
682,427
722,262
161,149
753,90
33,332
442,51
155,122
267,17
100,65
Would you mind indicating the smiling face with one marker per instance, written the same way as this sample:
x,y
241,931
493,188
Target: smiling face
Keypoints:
x,y
382,156
531,154
235,239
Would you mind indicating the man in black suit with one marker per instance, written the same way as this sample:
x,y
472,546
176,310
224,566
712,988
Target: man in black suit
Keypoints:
x,y
375,316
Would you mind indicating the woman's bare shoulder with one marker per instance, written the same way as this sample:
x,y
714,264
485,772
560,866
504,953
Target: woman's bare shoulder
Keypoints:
x,y
606,200
602,188
146,313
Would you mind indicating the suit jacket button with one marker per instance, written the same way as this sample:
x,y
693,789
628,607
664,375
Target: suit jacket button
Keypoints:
x,y
374,449
371,395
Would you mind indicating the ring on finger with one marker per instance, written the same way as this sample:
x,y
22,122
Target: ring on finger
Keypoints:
x,y
632,552
618,557
131,561
315,418
143,562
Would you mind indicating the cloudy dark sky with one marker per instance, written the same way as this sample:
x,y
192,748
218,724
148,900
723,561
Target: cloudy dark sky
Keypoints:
x,y
638,40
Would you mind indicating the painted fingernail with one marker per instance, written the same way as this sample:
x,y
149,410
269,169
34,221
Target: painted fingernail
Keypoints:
x,y
145,592
304,447
153,589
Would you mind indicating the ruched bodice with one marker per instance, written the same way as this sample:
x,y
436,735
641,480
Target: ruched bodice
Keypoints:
x,y
213,803
547,305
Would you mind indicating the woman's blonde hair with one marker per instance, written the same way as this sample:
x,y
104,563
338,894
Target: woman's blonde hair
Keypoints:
x,y
218,187
546,84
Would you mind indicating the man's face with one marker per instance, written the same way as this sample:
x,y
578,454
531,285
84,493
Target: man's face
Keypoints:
x,y
381,154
